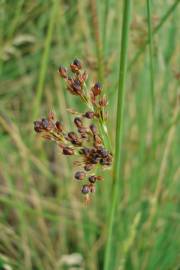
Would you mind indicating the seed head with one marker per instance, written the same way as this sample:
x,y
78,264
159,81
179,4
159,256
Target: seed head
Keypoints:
x,y
96,89
92,179
63,72
77,63
68,151
78,122
89,115
79,175
88,167
85,189
59,126
38,126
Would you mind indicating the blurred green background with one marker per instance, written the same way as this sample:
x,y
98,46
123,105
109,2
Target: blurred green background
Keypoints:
x,y
44,223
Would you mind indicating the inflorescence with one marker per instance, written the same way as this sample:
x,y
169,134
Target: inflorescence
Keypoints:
x,y
88,142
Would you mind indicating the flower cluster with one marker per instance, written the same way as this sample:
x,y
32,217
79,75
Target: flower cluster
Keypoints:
x,y
88,141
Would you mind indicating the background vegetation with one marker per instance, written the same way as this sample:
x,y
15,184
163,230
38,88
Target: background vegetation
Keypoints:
x,y
44,223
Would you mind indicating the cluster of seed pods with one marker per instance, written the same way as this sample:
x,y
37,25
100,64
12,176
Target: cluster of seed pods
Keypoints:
x,y
85,141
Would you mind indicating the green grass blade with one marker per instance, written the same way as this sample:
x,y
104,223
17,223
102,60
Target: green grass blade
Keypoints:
x,y
158,27
151,68
119,129
44,62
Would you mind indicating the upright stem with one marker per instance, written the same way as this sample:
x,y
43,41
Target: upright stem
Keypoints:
x,y
150,38
45,58
158,27
119,131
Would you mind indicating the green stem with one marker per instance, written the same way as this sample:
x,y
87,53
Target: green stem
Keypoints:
x,y
150,38
105,23
158,27
44,62
119,131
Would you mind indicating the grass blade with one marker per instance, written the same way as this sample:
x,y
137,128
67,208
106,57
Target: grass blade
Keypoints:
x,y
119,129
151,69
158,27
44,62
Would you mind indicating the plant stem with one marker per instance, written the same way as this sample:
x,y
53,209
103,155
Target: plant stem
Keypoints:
x,y
105,23
97,37
150,38
158,27
119,130
44,62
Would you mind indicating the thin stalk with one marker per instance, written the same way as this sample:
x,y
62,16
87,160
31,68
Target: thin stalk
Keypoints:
x,y
158,27
99,49
44,62
105,23
150,38
119,130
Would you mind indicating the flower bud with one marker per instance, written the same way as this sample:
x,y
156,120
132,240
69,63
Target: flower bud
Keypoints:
x,y
68,151
89,115
79,175
78,122
96,89
92,179
63,72
59,126
85,189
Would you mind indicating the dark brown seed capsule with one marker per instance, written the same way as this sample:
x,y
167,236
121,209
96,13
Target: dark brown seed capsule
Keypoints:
x,y
105,161
79,175
85,151
59,126
85,189
72,136
38,126
96,89
94,160
88,167
92,179
77,63
62,72
89,115
45,123
93,129
103,152
68,151
78,122
76,85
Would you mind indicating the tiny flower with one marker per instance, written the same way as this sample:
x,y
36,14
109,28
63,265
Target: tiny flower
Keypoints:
x,y
78,122
96,89
63,72
85,189
88,167
92,179
79,175
68,151
59,126
89,115
77,63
